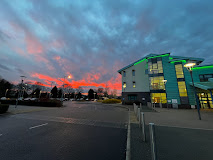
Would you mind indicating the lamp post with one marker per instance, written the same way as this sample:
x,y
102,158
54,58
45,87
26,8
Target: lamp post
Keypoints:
x,y
63,86
165,81
94,96
19,93
189,66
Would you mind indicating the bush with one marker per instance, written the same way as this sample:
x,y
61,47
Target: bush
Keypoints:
x,y
112,101
3,108
99,100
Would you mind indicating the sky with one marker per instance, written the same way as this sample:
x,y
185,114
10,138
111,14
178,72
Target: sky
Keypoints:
x,y
46,40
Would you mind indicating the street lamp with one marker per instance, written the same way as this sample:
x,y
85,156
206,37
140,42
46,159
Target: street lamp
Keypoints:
x,y
165,81
69,77
19,93
94,96
189,66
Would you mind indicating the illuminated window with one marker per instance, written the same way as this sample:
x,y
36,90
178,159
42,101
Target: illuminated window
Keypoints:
x,y
134,85
179,71
182,89
133,72
124,73
155,66
157,83
205,100
158,98
124,85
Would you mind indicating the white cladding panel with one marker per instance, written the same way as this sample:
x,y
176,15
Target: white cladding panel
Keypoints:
x,y
141,79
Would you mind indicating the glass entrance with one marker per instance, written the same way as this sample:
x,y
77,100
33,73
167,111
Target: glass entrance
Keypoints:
x,y
205,100
158,97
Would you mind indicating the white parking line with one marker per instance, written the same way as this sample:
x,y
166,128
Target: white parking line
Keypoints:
x,y
39,125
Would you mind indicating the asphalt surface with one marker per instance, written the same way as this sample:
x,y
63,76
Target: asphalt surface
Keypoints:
x,y
77,131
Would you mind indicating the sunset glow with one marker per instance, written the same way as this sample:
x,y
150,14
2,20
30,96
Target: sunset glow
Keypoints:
x,y
88,42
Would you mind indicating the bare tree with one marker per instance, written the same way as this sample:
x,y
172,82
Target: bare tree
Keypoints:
x,y
106,91
79,89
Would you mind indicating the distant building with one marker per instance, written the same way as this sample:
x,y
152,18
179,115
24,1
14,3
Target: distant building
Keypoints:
x,y
163,79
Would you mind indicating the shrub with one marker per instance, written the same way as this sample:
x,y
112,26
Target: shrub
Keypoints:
x,y
99,100
112,101
3,108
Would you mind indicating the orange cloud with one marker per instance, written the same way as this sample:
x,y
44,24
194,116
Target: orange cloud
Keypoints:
x,y
33,45
113,83
47,79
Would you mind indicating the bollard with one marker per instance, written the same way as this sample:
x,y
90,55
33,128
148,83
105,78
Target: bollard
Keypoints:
x,y
139,117
143,127
153,141
137,114
136,110
134,107
141,107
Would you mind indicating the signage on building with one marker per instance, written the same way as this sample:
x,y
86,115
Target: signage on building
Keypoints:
x,y
174,103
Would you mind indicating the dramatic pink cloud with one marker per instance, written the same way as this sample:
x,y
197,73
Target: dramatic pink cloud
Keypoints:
x,y
89,81
33,45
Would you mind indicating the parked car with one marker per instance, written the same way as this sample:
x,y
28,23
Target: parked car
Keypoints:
x,y
33,99
27,99
21,98
3,98
87,99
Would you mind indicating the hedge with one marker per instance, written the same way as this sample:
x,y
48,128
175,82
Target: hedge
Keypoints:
x,y
112,101
4,108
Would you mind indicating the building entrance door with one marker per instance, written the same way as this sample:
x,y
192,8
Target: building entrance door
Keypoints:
x,y
156,99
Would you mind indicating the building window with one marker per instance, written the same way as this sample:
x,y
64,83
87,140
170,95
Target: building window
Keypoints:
x,y
182,89
179,71
205,77
205,100
133,84
132,97
124,73
158,98
124,85
157,83
133,72
155,66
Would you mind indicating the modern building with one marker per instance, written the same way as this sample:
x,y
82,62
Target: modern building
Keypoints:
x,y
164,80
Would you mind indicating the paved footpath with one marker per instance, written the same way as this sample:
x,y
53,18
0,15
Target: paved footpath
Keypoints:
x,y
179,135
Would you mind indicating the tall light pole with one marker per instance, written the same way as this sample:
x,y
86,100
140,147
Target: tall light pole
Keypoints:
x,y
94,95
165,81
189,66
69,77
19,93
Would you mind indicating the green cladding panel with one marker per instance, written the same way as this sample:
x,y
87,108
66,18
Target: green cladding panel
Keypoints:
x,y
170,75
201,70
190,90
